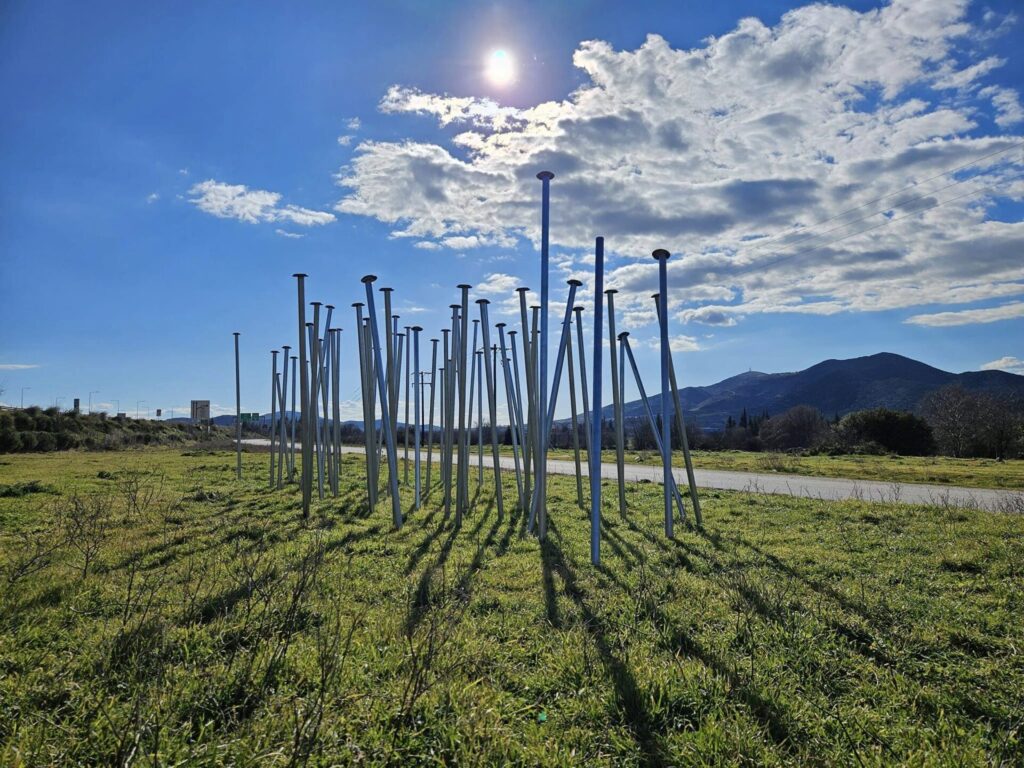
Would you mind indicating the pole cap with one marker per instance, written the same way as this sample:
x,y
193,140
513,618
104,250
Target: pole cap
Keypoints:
x,y
236,333
610,291
575,282
464,286
316,303
545,175
499,325
386,290
483,301
358,304
623,335
660,253
300,275
522,289
416,328
577,308
369,278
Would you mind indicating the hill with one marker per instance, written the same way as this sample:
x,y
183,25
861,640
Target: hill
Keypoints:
x,y
833,386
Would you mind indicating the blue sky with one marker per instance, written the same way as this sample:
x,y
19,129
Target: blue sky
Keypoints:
x,y
168,167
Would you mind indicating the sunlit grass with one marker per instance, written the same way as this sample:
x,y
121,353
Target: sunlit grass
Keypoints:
x,y
214,626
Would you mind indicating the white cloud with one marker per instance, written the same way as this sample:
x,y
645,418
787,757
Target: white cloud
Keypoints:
x,y
236,201
677,343
1009,364
286,233
17,366
970,316
728,154
498,282
183,171
426,245
354,124
345,140
152,197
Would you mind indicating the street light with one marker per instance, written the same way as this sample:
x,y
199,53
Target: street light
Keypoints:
x,y
56,401
23,395
91,393
117,407
137,404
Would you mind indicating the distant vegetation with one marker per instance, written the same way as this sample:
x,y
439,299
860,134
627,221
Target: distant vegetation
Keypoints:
x,y
953,421
36,429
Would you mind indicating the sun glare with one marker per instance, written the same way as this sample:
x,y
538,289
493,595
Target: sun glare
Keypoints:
x,y
501,67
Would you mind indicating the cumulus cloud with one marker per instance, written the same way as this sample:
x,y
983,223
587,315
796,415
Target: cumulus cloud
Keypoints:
x,y
1008,363
970,316
236,201
802,167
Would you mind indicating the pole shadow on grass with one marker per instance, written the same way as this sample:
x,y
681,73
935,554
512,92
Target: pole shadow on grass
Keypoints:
x,y
674,639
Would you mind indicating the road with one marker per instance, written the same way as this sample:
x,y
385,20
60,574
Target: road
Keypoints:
x,y
827,488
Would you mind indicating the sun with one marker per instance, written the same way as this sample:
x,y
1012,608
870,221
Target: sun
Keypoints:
x,y
501,67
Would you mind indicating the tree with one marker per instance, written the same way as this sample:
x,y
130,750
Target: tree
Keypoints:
x,y
895,431
954,415
802,426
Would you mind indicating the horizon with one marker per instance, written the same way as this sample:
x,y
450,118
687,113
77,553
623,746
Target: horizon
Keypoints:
x,y
160,194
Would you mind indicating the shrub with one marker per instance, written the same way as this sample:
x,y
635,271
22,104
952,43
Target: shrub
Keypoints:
x,y
887,431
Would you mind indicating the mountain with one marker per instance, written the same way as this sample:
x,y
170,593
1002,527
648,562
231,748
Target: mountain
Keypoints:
x,y
833,386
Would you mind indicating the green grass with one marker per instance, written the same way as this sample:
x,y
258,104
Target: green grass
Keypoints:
x,y
943,470
212,626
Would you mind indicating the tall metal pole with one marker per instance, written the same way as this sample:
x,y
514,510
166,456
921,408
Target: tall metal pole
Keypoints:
x,y
594,448
478,360
238,413
475,375
513,409
416,367
492,405
405,426
389,436
620,459
282,443
316,414
670,480
430,420
291,447
336,408
539,506
661,256
542,458
273,410
575,419
529,425
445,446
681,426
583,377
463,369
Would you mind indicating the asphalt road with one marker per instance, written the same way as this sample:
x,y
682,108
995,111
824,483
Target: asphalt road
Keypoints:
x,y
828,488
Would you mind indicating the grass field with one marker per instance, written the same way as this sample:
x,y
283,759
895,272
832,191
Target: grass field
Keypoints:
x,y
156,612
943,470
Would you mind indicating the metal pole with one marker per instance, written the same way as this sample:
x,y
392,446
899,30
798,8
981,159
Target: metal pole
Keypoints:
x,y
416,367
454,427
620,458
594,447
282,446
238,413
661,256
405,426
446,385
336,407
315,414
273,409
370,435
473,386
539,506
575,418
681,426
364,391
430,424
463,364
669,479
581,351
492,405
510,399
291,447
389,436
478,361
529,428
542,400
